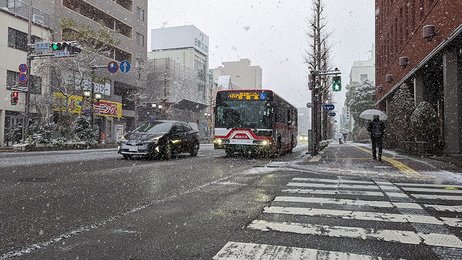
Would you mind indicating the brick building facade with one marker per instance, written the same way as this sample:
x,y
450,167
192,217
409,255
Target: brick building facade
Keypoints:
x,y
419,43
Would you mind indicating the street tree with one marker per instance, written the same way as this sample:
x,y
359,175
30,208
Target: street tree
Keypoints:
x,y
359,97
69,76
399,118
318,57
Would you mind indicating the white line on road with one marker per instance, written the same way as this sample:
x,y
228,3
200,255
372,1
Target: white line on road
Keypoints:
x,y
400,236
436,197
335,192
432,190
346,202
332,180
330,186
429,185
244,251
445,208
354,215
453,222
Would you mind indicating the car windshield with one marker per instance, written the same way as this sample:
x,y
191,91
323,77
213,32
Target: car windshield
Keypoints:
x,y
154,128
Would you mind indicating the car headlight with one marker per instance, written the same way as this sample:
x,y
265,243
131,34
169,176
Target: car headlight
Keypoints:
x,y
306,138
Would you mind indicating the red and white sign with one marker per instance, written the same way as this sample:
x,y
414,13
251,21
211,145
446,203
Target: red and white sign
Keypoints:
x,y
108,108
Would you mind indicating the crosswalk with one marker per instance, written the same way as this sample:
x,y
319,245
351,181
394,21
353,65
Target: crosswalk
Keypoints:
x,y
396,220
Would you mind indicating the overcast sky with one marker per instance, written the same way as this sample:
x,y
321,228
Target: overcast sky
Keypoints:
x,y
272,34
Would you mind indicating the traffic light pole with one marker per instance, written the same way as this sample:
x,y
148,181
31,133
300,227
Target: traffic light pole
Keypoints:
x,y
25,127
316,92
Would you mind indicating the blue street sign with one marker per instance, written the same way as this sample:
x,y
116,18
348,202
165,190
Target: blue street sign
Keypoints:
x,y
112,67
22,79
332,114
22,68
329,107
125,66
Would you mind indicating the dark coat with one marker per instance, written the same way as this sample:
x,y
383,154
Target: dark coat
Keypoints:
x,y
376,128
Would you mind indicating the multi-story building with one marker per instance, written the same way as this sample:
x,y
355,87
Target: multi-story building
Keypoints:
x,y
418,44
178,74
127,22
242,74
13,51
363,70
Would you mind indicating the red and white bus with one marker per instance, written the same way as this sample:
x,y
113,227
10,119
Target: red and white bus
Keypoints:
x,y
254,121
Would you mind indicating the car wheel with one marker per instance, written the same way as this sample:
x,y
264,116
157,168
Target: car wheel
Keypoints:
x,y
194,148
167,151
127,156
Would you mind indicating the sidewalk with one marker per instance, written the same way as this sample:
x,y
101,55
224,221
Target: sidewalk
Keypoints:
x,y
10,149
356,159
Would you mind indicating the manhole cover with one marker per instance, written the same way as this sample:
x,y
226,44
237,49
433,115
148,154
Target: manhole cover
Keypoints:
x,y
38,179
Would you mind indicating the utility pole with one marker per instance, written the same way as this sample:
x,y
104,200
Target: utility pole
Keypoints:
x,y
25,127
316,92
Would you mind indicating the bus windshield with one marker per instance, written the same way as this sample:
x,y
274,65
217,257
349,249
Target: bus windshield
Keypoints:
x,y
246,114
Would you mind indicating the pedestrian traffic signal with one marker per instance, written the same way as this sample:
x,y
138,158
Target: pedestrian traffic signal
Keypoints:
x,y
71,47
336,83
14,98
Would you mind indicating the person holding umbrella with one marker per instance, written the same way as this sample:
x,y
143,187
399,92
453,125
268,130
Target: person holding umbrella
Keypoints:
x,y
376,128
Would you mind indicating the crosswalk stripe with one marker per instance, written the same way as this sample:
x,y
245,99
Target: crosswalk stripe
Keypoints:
x,y
244,251
453,222
400,236
445,208
335,192
354,215
429,185
347,202
332,180
397,195
432,190
331,186
435,197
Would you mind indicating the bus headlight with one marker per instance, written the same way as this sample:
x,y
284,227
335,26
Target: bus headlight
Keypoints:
x,y
218,141
265,142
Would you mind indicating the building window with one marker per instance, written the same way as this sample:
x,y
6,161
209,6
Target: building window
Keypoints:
x,y
363,77
140,13
140,39
35,82
17,39
11,79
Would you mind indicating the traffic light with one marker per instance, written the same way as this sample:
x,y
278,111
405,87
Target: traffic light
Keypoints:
x,y
71,47
336,83
14,98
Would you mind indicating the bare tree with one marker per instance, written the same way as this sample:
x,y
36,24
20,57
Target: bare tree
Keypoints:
x,y
318,57
69,76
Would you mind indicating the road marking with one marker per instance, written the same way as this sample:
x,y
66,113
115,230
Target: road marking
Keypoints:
x,y
400,236
432,190
436,197
335,192
453,222
429,185
332,180
317,158
356,215
244,251
331,186
347,202
445,208
397,164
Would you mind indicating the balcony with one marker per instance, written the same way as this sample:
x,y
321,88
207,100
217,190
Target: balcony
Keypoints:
x,y
21,9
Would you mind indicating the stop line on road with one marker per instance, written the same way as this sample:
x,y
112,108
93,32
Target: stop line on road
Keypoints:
x,y
359,201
